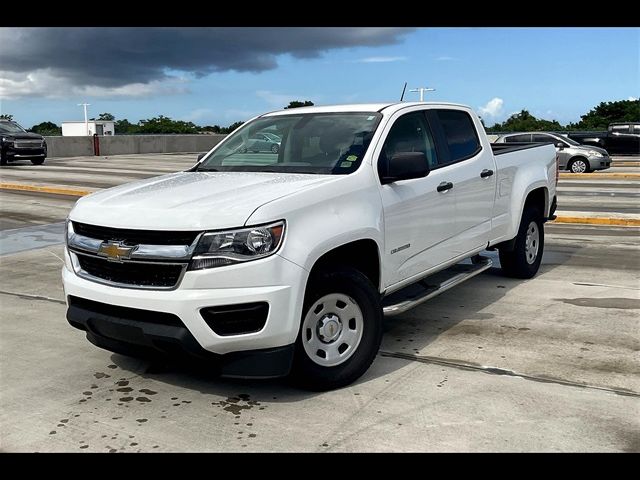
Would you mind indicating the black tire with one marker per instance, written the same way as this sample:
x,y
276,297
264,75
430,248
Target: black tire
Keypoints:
x,y
3,158
37,161
310,375
578,162
515,263
275,148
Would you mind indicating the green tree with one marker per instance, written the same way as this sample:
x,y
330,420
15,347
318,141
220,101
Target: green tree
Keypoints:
x,y
47,129
105,116
124,127
525,122
6,116
297,103
231,127
162,124
599,117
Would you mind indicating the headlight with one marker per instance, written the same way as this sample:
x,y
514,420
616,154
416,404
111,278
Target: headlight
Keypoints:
x,y
217,249
593,153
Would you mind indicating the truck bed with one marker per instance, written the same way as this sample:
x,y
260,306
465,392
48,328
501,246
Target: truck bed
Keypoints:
x,y
501,148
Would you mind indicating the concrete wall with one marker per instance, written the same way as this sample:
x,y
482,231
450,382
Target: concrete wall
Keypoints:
x,y
131,144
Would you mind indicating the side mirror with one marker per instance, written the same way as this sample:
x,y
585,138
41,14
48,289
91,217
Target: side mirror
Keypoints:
x,y
201,156
406,165
560,145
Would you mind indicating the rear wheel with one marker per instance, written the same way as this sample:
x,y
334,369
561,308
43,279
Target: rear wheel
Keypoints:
x,y
275,148
579,165
341,330
524,260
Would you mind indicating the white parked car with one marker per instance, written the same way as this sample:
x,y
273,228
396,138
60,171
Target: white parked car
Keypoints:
x,y
286,262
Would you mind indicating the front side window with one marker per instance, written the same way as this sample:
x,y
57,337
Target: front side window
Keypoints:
x,y
460,134
318,143
541,138
409,133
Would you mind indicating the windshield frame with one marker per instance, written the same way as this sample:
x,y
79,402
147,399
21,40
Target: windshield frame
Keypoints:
x,y
278,167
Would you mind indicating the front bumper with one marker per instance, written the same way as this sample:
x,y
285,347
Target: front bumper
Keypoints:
x,y
26,152
274,280
599,163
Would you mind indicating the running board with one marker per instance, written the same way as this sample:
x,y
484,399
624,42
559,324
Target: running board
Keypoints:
x,y
433,285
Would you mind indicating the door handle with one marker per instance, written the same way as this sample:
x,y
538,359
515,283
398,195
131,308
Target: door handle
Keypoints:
x,y
486,173
445,186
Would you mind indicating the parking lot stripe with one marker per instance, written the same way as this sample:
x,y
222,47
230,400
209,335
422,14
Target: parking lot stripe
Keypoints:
x,y
45,189
595,176
620,222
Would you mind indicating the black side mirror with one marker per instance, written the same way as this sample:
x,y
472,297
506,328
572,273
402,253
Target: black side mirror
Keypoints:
x,y
406,165
201,156
560,145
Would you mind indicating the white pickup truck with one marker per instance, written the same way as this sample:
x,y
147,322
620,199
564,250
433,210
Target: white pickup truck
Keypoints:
x,y
285,260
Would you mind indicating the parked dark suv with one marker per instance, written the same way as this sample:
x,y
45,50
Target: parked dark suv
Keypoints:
x,y
16,143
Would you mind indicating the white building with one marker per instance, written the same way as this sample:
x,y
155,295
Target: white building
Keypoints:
x,y
79,129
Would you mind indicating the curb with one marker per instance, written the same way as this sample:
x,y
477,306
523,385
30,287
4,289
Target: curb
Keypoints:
x,y
620,222
45,189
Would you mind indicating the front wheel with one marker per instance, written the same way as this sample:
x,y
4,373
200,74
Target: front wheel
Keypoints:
x,y
579,165
37,161
524,260
3,157
341,330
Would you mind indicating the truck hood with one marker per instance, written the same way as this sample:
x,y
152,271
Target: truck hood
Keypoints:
x,y
22,136
189,200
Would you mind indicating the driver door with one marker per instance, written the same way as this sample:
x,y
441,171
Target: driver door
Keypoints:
x,y
419,220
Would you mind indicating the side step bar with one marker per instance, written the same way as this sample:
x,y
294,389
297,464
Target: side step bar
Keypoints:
x,y
417,293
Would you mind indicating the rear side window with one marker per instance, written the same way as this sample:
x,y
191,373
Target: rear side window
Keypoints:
x,y
460,134
636,128
518,138
621,128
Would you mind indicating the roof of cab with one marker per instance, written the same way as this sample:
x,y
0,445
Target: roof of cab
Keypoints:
x,y
387,108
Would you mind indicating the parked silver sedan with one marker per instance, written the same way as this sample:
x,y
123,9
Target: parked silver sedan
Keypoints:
x,y
571,155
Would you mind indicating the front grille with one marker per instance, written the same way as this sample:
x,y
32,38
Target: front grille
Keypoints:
x,y
132,273
127,313
27,143
135,237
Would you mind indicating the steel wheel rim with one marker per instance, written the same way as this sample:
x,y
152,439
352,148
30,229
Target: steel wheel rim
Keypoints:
x,y
579,166
332,329
532,243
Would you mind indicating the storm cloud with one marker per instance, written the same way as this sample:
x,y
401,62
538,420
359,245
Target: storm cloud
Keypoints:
x,y
121,61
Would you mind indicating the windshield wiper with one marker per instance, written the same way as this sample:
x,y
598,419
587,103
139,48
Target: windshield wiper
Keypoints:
x,y
207,170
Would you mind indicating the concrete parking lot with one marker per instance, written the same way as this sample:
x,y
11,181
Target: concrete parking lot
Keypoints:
x,y
496,364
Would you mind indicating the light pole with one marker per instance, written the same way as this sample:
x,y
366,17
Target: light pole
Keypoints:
x,y
422,90
86,122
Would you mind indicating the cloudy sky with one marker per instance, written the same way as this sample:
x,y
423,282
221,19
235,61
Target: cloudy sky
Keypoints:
x,y
221,75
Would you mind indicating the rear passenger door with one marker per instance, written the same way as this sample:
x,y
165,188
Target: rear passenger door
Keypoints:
x,y
471,169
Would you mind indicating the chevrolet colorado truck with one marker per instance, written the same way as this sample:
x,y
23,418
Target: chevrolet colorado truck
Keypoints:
x,y
266,264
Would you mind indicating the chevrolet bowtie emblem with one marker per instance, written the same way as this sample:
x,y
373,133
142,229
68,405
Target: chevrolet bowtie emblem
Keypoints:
x,y
115,251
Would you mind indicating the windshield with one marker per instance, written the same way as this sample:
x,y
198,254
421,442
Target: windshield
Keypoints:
x,y
11,127
320,143
570,141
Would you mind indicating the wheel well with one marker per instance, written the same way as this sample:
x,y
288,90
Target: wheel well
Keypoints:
x,y
362,255
538,198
